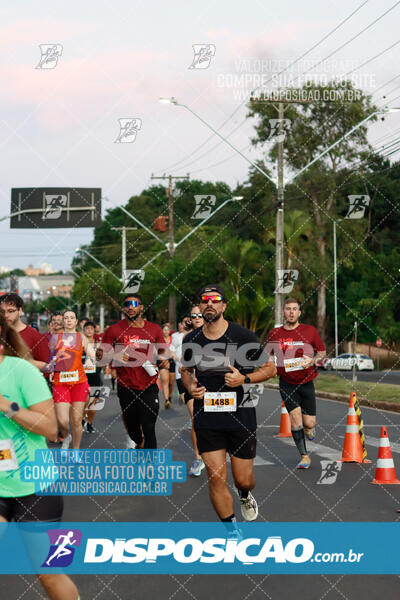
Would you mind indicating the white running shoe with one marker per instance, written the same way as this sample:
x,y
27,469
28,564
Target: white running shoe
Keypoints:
x,y
130,443
197,467
248,507
66,442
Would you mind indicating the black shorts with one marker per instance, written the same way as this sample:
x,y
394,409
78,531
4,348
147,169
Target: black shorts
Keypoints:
x,y
240,443
296,395
187,397
32,508
180,386
171,365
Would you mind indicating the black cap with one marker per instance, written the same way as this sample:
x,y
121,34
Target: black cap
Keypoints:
x,y
208,289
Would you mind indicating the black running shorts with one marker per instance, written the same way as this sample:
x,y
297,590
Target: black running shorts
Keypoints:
x,y
32,508
296,395
240,443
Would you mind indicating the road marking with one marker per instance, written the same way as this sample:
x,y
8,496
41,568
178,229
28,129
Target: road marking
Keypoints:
x,y
320,449
373,441
258,461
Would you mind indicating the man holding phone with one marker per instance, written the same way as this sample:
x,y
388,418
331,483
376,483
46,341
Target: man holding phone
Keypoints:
x,y
133,340
215,365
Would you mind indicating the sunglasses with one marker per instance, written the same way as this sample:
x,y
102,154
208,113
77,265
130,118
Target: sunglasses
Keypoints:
x,y
131,303
196,315
215,298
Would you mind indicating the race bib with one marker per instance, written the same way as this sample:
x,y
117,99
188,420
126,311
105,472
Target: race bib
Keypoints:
x,y
67,376
220,402
89,367
8,458
293,364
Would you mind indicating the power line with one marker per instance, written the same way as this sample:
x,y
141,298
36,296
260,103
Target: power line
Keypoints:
x,y
270,79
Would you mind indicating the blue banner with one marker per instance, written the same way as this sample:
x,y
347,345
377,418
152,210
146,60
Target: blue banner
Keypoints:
x,y
103,472
166,548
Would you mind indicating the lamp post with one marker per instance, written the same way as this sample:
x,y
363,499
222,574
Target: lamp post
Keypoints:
x,y
280,183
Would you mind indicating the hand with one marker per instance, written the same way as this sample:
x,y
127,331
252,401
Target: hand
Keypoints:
x,y
114,373
307,362
235,378
4,404
196,391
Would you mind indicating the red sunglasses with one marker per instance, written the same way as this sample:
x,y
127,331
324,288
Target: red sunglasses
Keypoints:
x,y
215,298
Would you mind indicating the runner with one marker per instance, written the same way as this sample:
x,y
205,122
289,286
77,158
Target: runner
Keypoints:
x,y
93,374
297,348
133,340
70,384
198,463
167,374
12,305
184,325
27,417
221,424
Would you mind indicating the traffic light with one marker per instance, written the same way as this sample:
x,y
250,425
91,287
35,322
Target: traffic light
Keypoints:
x,y
160,223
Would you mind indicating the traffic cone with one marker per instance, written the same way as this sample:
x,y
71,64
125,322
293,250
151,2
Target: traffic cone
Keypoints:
x,y
352,447
385,472
285,429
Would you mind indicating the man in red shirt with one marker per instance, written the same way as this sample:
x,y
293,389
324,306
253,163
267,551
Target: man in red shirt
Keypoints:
x,y
132,344
297,347
12,305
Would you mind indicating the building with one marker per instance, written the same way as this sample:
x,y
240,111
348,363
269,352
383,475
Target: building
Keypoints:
x,y
44,269
45,286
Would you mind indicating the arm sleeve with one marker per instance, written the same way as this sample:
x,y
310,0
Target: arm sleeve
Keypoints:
x,y
32,384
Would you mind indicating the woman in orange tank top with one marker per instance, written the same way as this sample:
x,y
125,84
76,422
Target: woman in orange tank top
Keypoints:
x,y
70,384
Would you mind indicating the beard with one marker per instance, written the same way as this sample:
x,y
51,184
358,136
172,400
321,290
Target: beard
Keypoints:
x,y
211,317
133,317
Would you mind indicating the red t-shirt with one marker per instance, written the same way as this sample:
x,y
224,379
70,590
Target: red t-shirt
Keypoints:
x,y
287,344
139,340
36,342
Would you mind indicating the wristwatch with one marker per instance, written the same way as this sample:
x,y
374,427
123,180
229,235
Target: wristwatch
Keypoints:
x,y
247,379
14,408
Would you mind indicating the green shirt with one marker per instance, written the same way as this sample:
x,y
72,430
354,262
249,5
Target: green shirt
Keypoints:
x,y
23,383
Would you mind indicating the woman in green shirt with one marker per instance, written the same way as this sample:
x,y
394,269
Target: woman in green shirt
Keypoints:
x,y
27,418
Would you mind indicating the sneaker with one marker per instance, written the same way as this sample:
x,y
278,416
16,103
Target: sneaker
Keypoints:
x,y
130,443
310,433
305,462
197,467
84,426
90,428
236,534
167,404
248,507
66,442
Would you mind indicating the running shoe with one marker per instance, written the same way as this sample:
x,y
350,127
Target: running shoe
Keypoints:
x,y
167,404
66,442
236,534
248,507
305,462
130,443
197,467
84,426
310,433
90,428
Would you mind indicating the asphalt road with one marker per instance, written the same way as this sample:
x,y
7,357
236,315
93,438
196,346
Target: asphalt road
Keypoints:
x,y
372,376
283,494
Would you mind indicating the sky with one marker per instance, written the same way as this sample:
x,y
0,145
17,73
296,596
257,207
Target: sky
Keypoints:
x,y
59,126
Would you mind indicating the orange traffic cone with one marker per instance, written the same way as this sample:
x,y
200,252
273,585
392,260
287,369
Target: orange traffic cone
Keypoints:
x,y
285,429
385,472
352,448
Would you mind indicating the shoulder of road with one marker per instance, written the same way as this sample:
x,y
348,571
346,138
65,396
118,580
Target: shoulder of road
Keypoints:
x,y
384,396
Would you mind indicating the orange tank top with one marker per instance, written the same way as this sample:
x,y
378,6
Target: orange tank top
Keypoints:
x,y
68,368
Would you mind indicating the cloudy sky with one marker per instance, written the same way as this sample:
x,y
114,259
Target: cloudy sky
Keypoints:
x,y
59,126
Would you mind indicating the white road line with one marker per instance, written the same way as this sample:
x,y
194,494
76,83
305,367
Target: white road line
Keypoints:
x,y
313,448
373,441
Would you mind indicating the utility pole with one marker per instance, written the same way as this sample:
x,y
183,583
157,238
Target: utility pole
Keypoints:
x,y
279,105
171,239
123,260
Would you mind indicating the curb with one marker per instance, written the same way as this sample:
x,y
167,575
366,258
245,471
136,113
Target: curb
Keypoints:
x,y
379,404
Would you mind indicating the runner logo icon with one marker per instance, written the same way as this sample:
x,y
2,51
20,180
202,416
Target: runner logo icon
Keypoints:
x,y
61,551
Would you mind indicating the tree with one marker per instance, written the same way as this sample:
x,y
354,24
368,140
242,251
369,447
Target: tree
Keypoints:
x,y
314,128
